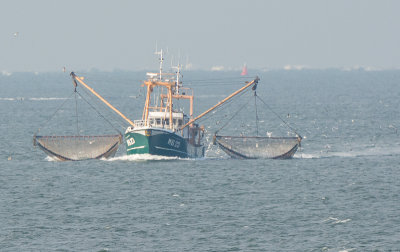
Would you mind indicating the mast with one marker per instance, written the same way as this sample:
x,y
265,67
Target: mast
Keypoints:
x,y
162,83
178,73
253,82
170,107
161,61
79,79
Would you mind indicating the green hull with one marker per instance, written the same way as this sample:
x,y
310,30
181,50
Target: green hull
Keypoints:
x,y
161,142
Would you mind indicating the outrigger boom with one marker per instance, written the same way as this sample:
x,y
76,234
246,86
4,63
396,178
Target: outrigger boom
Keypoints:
x,y
79,79
255,82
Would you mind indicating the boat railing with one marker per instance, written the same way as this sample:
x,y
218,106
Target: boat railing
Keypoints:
x,y
139,123
152,123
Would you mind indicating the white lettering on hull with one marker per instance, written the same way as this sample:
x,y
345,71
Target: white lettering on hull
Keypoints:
x,y
174,143
130,141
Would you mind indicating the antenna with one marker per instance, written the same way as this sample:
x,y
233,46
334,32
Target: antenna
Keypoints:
x,y
161,60
178,74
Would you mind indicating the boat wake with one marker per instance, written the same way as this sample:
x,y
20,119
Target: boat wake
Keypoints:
x,y
376,151
50,159
140,157
136,157
143,157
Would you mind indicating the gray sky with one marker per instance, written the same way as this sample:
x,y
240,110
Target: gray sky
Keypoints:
x,y
118,34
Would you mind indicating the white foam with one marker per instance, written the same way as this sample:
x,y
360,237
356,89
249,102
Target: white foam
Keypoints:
x,y
342,221
347,250
330,218
366,151
140,157
47,98
33,98
51,159
334,220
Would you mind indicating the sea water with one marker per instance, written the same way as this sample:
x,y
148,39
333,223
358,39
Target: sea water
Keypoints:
x,y
340,192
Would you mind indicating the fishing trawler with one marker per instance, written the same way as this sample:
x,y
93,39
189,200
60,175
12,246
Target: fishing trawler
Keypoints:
x,y
164,129
160,131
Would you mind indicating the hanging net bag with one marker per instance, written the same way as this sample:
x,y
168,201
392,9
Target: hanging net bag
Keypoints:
x,y
258,147
248,146
75,147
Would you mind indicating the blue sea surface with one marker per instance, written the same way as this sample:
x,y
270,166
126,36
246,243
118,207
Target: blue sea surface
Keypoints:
x,y
340,192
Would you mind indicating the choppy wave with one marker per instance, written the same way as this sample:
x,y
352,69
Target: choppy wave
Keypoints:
x,y
47,98
377,151
334,220
8,99
33,98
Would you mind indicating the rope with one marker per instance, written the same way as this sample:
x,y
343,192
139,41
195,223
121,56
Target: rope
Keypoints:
x,y
255,105
224,106
51,117
98,112
101,104
287,125
76,113
237,112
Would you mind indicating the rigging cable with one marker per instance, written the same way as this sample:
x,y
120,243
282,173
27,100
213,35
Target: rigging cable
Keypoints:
x,y
98,112
255,105
58,109
287,125
237,112
76,113
100,104
223,106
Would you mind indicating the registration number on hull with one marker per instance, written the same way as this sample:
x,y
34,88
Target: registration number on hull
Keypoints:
x,y
130,141
174,143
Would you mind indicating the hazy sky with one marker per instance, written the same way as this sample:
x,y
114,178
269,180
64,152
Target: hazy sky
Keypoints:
x,y
118,34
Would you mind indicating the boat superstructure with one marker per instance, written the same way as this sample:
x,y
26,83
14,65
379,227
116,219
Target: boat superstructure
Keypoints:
x,y
161,131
